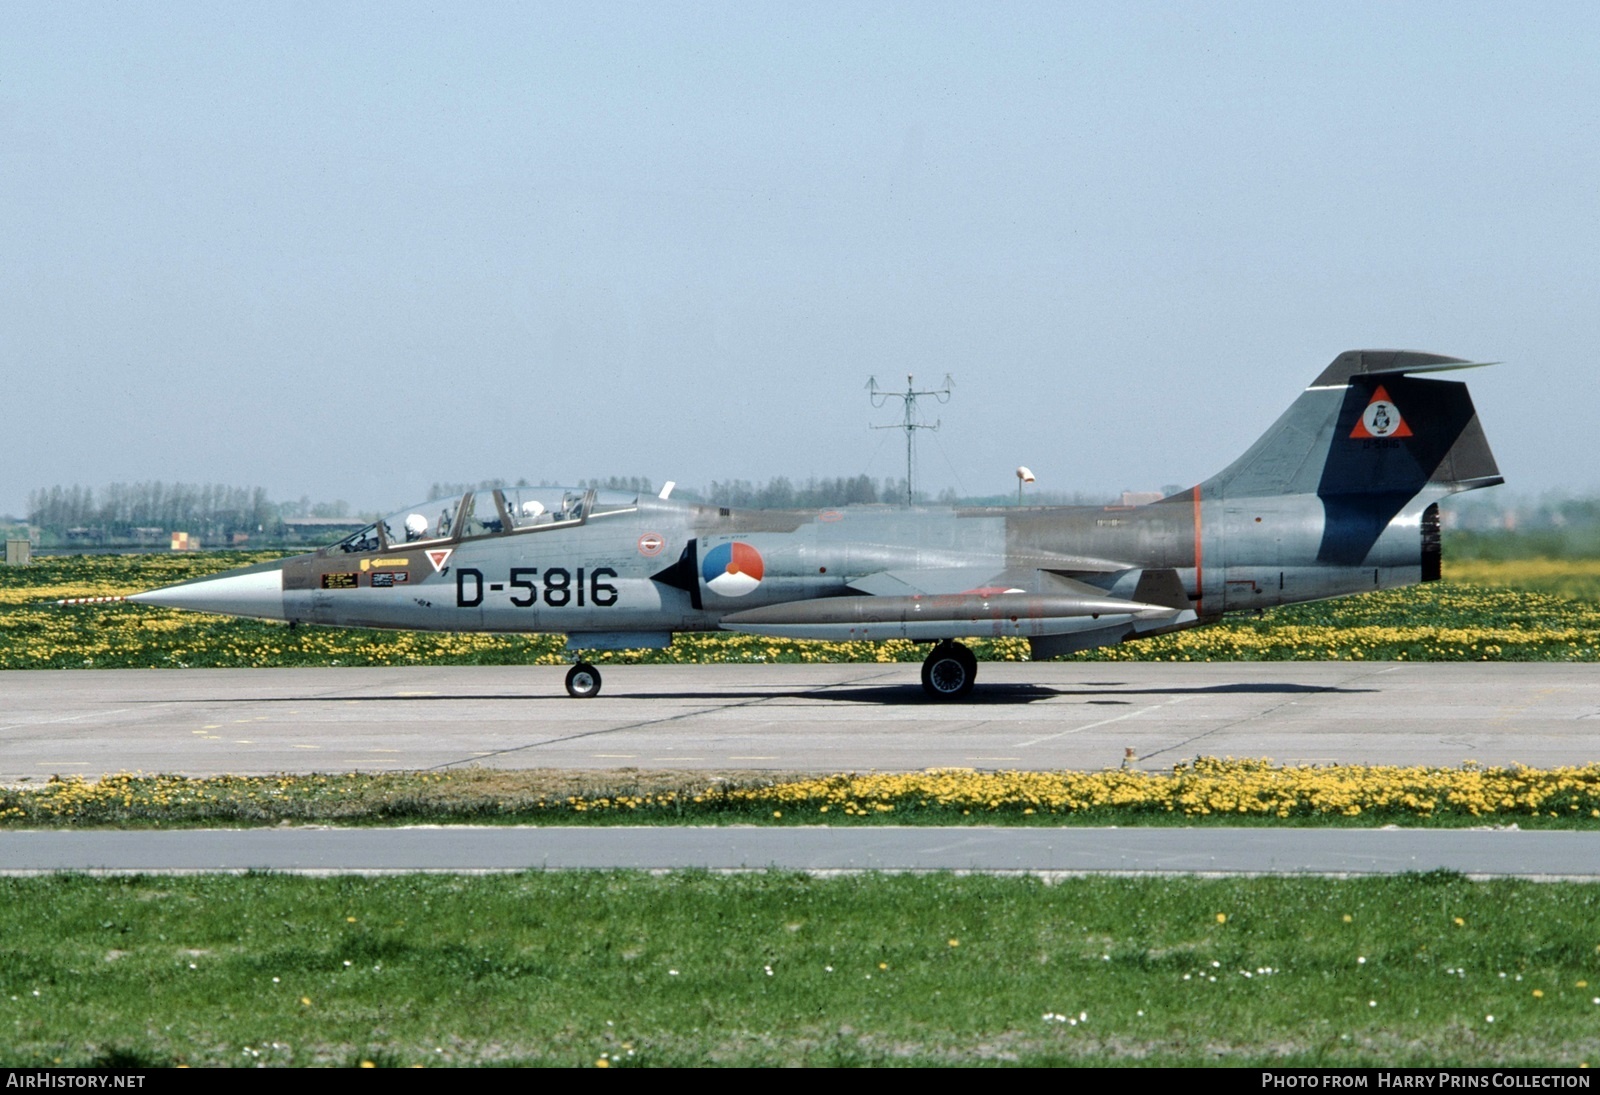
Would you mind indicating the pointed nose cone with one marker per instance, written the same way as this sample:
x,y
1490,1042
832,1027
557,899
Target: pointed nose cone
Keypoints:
x,y
253,591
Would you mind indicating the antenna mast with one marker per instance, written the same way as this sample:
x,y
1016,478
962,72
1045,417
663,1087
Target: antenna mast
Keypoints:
x,y
909,400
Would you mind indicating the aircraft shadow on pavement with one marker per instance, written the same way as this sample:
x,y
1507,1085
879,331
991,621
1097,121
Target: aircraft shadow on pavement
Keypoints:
x,y
1106,693
902,695
1092,688
1000,694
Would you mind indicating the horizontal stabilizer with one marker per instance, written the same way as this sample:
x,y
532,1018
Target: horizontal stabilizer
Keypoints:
x,y
1363,363
1443,367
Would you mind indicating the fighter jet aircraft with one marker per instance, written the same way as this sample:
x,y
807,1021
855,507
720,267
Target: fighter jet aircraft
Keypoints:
x,y
1339,496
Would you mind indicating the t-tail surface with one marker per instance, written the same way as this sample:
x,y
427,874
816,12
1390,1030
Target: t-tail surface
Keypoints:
x,y
1341,495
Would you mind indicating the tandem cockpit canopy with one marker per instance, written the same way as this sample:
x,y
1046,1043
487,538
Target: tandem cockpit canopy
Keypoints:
x,y
487,513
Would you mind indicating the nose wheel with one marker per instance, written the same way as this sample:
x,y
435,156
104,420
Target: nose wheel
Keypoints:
x,y
583,681
949,672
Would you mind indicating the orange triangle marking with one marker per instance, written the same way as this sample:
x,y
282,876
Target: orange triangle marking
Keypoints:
x,y
437,557
1385,420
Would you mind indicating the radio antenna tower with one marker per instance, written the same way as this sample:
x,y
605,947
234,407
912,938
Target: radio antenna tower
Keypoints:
x,y
909,399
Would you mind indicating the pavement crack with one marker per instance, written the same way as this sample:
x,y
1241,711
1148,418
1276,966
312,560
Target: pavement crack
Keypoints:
x,y
1274,709
642,723
1102,722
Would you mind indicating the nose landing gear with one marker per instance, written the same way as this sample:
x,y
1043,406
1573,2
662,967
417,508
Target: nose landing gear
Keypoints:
x,y
949,671
583,681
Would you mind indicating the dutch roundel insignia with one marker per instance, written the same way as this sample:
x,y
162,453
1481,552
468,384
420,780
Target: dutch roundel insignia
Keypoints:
x,y
732,569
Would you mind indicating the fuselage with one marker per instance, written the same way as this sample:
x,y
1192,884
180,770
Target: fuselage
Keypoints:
x,y
603,573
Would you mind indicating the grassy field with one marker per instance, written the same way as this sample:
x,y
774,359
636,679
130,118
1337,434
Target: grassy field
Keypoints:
x,y
1531,610
585,969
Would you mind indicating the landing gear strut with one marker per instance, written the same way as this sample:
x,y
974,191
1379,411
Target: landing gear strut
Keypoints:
x,y
583,681
949,671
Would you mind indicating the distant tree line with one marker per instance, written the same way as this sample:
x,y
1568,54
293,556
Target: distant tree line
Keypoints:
x,y
783,493
778,493
446,490
209,510
633,484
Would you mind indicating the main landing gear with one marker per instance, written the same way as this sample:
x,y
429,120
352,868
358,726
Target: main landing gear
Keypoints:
x,y
583,681
949,671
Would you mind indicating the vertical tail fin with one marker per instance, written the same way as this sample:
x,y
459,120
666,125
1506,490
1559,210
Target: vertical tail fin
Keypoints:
x,y
1367,426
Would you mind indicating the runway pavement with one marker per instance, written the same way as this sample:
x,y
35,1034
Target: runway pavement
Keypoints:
x,y
793,717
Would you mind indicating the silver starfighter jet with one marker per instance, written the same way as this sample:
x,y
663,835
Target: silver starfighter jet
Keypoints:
x,y
1340,496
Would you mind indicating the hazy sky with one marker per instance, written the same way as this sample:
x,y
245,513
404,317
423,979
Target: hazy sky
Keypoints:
x,y
346,251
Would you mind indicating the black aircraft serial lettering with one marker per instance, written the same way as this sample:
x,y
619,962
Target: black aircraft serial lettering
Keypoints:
x,y
1341,495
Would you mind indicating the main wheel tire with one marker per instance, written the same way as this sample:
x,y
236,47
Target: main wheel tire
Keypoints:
x,y
583,681
949,672
970,659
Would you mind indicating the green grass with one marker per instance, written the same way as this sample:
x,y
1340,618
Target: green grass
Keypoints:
x,y
780,969
1580,541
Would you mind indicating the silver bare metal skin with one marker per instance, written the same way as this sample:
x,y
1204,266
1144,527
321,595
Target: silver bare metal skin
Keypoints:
x,y
1339,496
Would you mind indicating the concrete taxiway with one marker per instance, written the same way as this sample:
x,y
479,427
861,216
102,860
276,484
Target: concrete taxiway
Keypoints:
x,y
1482,853
793,717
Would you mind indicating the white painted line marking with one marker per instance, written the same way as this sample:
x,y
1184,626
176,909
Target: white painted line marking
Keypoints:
x,y
66,718
1104,722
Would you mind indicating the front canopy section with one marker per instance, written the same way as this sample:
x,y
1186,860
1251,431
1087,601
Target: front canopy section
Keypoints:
x,y
486,513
